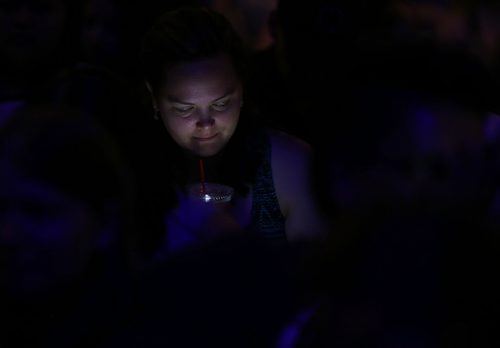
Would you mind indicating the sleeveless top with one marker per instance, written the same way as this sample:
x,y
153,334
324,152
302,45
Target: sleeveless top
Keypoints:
x,y
266,220
266,216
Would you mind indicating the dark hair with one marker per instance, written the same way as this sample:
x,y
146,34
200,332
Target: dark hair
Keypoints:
x,y
187,35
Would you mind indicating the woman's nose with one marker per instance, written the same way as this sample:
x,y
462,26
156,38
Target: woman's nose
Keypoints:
x,y
205,119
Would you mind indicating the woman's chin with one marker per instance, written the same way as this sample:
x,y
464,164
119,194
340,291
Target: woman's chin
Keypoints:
x,y
206,150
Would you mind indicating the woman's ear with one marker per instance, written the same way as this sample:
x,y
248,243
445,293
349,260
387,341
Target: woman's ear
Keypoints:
x,y
151,94
156,112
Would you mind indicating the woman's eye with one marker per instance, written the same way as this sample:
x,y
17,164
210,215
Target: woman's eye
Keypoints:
x,y
220,106
183,110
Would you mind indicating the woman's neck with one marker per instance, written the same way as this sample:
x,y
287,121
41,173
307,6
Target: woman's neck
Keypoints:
x,y
206,169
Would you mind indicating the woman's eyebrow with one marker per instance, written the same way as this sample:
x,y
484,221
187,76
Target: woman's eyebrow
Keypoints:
x,y
174,99
228,93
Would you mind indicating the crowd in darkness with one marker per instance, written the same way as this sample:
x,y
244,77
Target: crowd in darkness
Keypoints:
x,y
398,102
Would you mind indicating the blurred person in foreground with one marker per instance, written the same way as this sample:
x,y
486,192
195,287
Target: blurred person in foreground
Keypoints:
x,y
65,215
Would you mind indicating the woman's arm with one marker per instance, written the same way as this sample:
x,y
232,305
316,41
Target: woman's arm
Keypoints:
x,y
291,161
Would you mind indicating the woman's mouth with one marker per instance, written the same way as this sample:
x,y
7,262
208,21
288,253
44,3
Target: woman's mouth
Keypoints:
x,y
206,138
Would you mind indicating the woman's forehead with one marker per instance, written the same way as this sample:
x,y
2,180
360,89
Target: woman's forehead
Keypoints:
x,y
209,78
219,66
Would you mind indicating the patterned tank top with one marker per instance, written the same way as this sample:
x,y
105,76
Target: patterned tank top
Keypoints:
x,y
266,216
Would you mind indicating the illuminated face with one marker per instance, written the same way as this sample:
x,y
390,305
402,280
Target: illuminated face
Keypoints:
x,y
200,104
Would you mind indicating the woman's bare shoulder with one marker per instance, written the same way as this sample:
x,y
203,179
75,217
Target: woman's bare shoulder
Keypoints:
x,y
289,146
291,159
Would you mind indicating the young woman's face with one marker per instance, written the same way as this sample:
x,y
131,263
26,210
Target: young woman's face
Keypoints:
x,y
200,104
